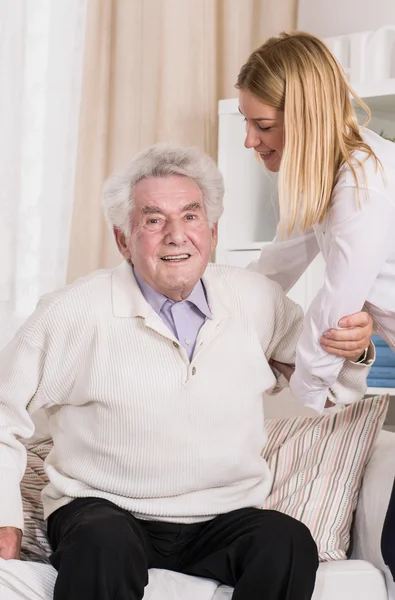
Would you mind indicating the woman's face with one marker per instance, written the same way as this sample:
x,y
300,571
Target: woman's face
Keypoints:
x,y
264,127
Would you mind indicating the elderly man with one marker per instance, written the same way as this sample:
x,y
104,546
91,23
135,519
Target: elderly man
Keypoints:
x,y
152,377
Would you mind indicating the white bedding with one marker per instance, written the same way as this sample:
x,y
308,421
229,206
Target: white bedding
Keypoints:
x,y
340,580
33,581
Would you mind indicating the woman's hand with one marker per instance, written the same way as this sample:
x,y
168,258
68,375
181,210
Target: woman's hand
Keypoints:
x,y
352,339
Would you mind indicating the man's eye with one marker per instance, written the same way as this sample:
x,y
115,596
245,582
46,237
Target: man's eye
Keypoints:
x,y
154,221
191,217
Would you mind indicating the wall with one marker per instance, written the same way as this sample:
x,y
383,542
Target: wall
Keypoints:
x,y
326,18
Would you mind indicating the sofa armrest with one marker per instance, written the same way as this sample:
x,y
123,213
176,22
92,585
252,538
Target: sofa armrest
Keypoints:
x,y
373,501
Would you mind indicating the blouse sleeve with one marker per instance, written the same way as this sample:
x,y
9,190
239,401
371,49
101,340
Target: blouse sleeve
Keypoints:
x,y
362,238
285,261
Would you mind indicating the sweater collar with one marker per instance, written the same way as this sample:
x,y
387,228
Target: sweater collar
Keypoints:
x,y
128,301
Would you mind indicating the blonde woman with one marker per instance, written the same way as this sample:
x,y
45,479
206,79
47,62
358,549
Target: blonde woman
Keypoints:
x,y
336,195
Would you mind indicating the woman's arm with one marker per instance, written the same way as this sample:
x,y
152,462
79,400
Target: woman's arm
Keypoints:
x,y
285,261
362,238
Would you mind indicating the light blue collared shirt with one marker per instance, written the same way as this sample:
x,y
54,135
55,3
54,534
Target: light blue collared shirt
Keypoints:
x,y
184,318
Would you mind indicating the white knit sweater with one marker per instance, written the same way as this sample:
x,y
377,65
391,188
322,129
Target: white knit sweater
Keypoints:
x,y
131,418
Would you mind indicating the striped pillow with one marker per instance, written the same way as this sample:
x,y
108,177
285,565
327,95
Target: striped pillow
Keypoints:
x,y
317,465
35,545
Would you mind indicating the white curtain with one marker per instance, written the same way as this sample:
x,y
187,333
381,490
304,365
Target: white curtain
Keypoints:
x,y
41,59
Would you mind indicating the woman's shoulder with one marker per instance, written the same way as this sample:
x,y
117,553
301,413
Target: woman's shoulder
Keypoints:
x,y
371,175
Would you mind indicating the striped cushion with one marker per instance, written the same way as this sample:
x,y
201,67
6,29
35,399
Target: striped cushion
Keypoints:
x,y
35,545
318,464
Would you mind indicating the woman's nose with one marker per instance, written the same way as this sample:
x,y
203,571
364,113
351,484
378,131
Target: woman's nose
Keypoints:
x,y
251,140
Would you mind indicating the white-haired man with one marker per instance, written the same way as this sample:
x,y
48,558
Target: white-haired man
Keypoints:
x,y
152,377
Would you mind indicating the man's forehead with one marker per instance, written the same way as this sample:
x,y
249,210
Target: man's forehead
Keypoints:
x,y
167,193
161,184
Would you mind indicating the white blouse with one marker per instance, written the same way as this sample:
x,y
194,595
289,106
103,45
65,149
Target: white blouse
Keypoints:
x,y
357,241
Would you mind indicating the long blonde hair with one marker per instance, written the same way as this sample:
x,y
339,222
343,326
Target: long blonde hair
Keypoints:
x,y
297,74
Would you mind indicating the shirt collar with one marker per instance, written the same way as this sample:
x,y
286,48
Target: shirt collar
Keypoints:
x,y
157,300
128,301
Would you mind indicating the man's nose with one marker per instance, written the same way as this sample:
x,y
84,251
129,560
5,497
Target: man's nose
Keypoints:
x,y
252,139
175,232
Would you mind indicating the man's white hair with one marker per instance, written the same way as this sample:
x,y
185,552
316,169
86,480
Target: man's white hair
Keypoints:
x,y
162,160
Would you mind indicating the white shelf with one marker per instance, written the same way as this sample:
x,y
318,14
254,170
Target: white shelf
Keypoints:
x,y
380,391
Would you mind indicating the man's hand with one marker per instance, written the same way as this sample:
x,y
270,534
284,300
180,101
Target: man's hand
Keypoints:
x,y
352,340
284,369
10,543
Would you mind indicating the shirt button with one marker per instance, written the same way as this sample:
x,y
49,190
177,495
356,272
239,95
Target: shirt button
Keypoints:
x,y
175,345
187,341
193,370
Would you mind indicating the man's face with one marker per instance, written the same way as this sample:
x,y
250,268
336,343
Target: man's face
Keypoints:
x,y
170,241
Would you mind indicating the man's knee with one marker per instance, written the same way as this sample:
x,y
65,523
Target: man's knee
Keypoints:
x,y
287,533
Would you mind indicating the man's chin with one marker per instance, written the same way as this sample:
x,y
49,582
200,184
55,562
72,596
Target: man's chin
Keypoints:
x,y
180,284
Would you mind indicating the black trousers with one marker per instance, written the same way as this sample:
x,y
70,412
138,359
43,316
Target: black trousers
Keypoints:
x,y
388,535
102,552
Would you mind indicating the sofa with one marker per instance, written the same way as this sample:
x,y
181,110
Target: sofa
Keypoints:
x,y
362,577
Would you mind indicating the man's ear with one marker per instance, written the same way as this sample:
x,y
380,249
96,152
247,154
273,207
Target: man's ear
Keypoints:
x,y
120,239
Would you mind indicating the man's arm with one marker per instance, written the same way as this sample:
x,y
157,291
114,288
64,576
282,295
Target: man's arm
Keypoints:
x,y
21,366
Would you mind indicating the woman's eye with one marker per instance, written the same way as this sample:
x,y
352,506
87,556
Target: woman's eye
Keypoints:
x,y
153,221
263,128
257,125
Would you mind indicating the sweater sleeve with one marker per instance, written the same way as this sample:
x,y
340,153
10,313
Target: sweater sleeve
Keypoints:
x,y
21,367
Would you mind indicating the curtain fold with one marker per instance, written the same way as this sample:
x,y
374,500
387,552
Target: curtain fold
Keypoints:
x,y
41,49
154,71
